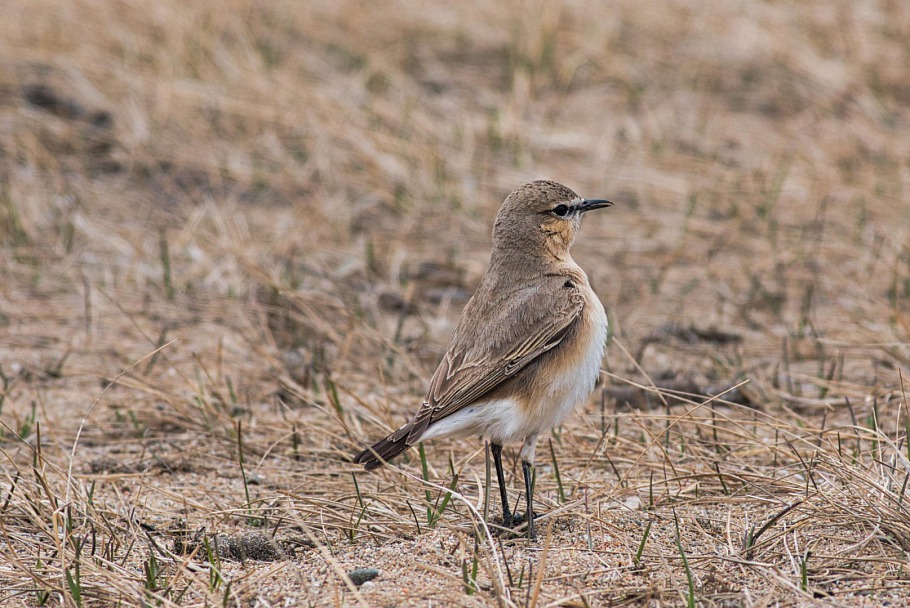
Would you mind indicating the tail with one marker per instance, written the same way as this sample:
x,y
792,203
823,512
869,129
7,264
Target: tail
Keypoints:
x,y
382,451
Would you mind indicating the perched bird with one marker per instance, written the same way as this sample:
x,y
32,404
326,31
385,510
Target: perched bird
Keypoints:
x,y
529,344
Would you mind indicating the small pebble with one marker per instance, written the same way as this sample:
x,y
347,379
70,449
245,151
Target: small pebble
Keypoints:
x,y
362,575
633,503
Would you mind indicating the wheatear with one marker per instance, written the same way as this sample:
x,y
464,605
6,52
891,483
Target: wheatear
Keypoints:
x,y
529,344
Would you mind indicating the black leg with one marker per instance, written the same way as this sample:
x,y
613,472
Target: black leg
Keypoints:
x,y
496,449
529,515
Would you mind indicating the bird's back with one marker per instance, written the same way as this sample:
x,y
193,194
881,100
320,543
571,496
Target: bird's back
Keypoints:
x,y
548,387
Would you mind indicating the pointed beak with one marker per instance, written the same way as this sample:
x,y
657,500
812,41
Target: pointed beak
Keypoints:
x,y
590,204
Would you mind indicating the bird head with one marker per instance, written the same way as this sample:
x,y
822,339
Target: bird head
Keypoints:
x,y
541,217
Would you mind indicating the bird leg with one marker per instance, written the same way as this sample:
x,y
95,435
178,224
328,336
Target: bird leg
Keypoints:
x,y
529,514
527,465
510,519
507,519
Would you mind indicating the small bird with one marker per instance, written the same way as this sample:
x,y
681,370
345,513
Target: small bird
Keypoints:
x,y
529,344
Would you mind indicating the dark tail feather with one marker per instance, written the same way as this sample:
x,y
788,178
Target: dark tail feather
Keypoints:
x,y
382,451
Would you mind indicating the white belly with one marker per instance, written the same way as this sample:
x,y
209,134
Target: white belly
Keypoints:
x,y
502,420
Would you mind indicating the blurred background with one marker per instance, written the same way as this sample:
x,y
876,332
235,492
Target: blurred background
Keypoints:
x,y
757,153
301,195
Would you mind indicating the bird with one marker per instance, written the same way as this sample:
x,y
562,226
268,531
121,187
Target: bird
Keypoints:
x,y
527,348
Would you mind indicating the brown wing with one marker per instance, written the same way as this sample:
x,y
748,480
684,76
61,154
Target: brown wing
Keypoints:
x,y
522,325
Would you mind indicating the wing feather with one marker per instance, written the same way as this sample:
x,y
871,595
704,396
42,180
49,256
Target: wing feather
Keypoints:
x,y
522,326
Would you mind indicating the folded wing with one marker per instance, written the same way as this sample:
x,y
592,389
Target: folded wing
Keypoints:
x,y
521,325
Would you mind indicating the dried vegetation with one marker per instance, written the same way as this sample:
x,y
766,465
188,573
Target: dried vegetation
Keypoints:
x,y
235,236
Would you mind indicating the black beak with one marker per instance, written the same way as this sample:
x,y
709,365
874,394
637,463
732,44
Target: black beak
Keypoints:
x,y
589,204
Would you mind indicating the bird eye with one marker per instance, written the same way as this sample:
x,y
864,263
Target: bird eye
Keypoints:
x,y
561,210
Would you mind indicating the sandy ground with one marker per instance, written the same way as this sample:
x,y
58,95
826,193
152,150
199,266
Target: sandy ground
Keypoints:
x,y
235,238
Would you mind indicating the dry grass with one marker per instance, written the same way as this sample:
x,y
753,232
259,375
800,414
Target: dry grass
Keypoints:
x,y
235,237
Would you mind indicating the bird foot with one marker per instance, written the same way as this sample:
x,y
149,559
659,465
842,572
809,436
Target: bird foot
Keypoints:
x,y
520,518
507,524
